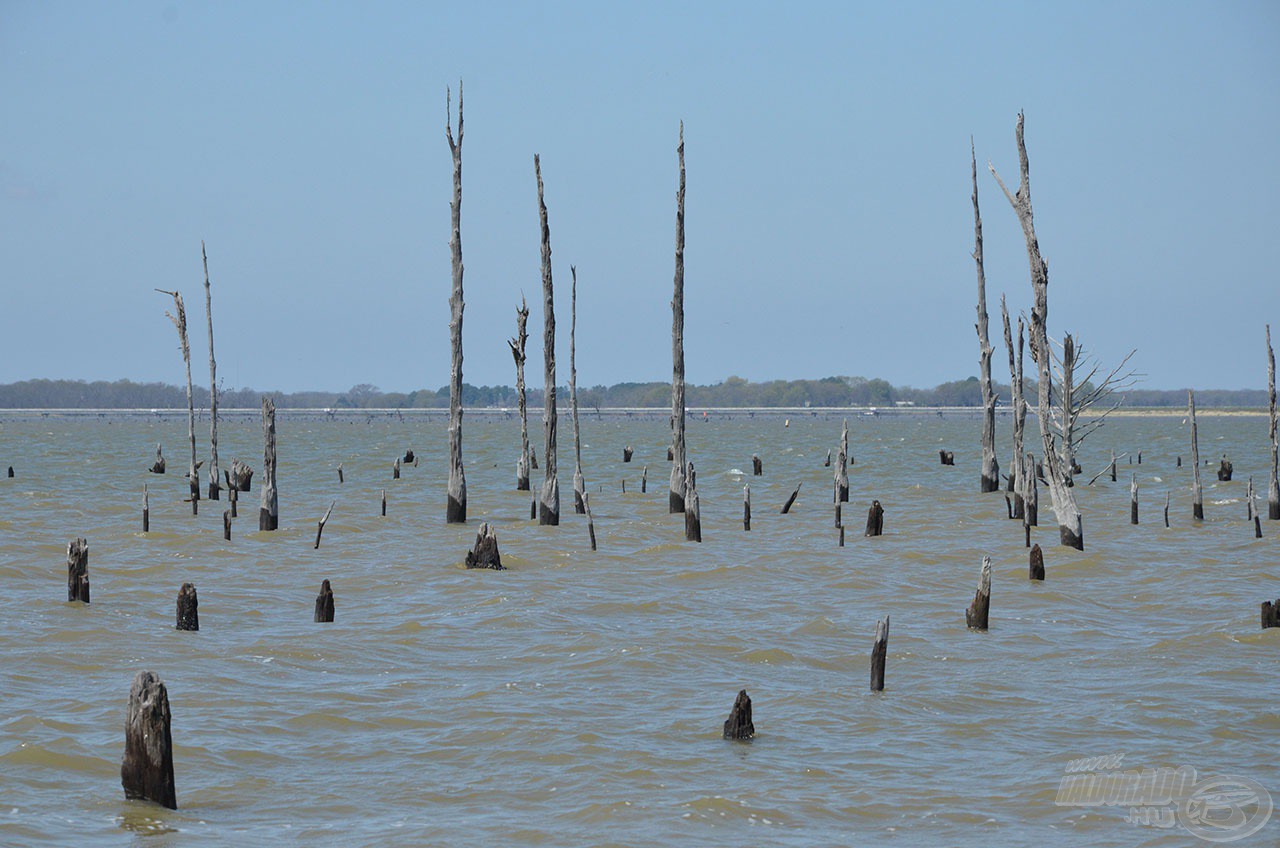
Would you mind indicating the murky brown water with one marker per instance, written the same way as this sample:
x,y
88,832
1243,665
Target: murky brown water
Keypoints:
x,y
577,698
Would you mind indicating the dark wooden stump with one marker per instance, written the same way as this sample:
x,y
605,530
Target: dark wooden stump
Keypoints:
x,y
626,453
341,478
235,501
786,507
746,507
827,462
157,467
738,725
10,472
1179,462
591,520
947,457
670,455
146,509
533,458
485,553
1166,509
1037,563
324,604
879,652
215,491
395,469
1257,527
1133,500
78,571
976,615
644,480
757,467
226,525
409,457
188,608
1270,614
146,773
1225,469
875,520
384,502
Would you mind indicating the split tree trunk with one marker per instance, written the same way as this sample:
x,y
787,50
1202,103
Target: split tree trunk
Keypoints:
x,y
517,352
269,512
485,554
692,508
675,501
146,773
1070,523
738,725
549,502
990,481
214,476
976,616
456,507
324,604
579,485
1273,487
78,571
1197,492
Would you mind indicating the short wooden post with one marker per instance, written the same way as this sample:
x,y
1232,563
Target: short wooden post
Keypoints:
x,y
341,479
746,507
395,469
146,510
78,571
786,507
235,498
591,521
1249,501
692,508
226,523
1166,509
757,467
10,472
626,453
157,467
879,652
188,608
827,462
839,520
146,772
384,502
1270,614
1036,571
947,457
324,604
1257,527
409,458
1225,469
976,615
738,725
1112,468
485,553
644,480
875,519
323,522
1133,500
533,458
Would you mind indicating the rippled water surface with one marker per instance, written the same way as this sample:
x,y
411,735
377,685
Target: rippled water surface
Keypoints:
x,y
578,697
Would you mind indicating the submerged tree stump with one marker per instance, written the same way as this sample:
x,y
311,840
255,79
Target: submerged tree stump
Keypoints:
x,y
879,653
10,472
341,479
786,507
157,467
1225,468
975,617
626,453
323,521
395,469
1036,571
384,502
947,457
226,525
409,457
692,508
591,520
1270,614
757,467
746,507
146,772
485,553
146,509
1133,500
324,604
875,520
78,571
188,608
738,725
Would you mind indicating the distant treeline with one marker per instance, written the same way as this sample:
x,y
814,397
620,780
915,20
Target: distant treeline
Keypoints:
x,y
733,392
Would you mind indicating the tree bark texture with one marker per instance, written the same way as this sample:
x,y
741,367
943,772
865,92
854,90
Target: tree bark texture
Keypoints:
x,y
1197,492
1070,522
579,484
678,461
517,353
146,772
456,507
990,481
269,511
549,501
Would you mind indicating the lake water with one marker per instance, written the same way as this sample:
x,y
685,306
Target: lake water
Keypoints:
x,y
577,698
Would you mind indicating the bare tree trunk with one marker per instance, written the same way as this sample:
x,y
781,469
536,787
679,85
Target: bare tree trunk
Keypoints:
x,y
78,571
990,466
1069,411
579,485
1030,493
180,321
549,502
879,651
188,608
1197,492
517,352
1019,408
675,500
842,470
214,475
976,617
456,507
1273,488
1070,523
269,513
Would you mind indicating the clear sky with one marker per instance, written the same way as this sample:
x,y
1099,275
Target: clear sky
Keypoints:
x,y
828,217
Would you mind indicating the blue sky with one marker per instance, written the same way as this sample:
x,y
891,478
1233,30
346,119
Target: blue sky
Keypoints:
x,y
828,217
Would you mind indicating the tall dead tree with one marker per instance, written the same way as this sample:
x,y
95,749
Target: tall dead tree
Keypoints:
x,y
675,500
1082,388
1070,523
214,476
269,512
517,352
579,485
456,508
549,502
1016,484
1273,488
1197,491
180,321
990,466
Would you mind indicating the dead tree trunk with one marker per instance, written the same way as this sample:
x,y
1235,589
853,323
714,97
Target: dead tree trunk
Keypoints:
x,y
738,725
842,471
78,571
485,552
990,466
269,512
579,485
1031,494
1133,499
1225,469
214,476
786,507
549,502
323,521
157,467
692,508
1067,404
146,772
1197,492
875,520
517,352
1019,408
879,653
188,608
324,604
180,321
976,616
1273,487
1035,569
675,501
591,520
456,507
1070,523
746,507
146,509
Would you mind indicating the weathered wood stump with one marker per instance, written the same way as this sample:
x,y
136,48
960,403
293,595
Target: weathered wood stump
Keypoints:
x,y
746,507
1257,527
692,508
827,462
533,458
234,497
1133,500
1037,563
485,553
10,472
240,477
786,507
157,467
409,457
78,571
947,457
341,479
975,617
879,653
188,608
757,467
1166,509
626,453
875,520
226,525
591,520
146,509
1270,614
146,772
269,508
670,455
1225,468
324,604
395,469
384,502
738,725
644,480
